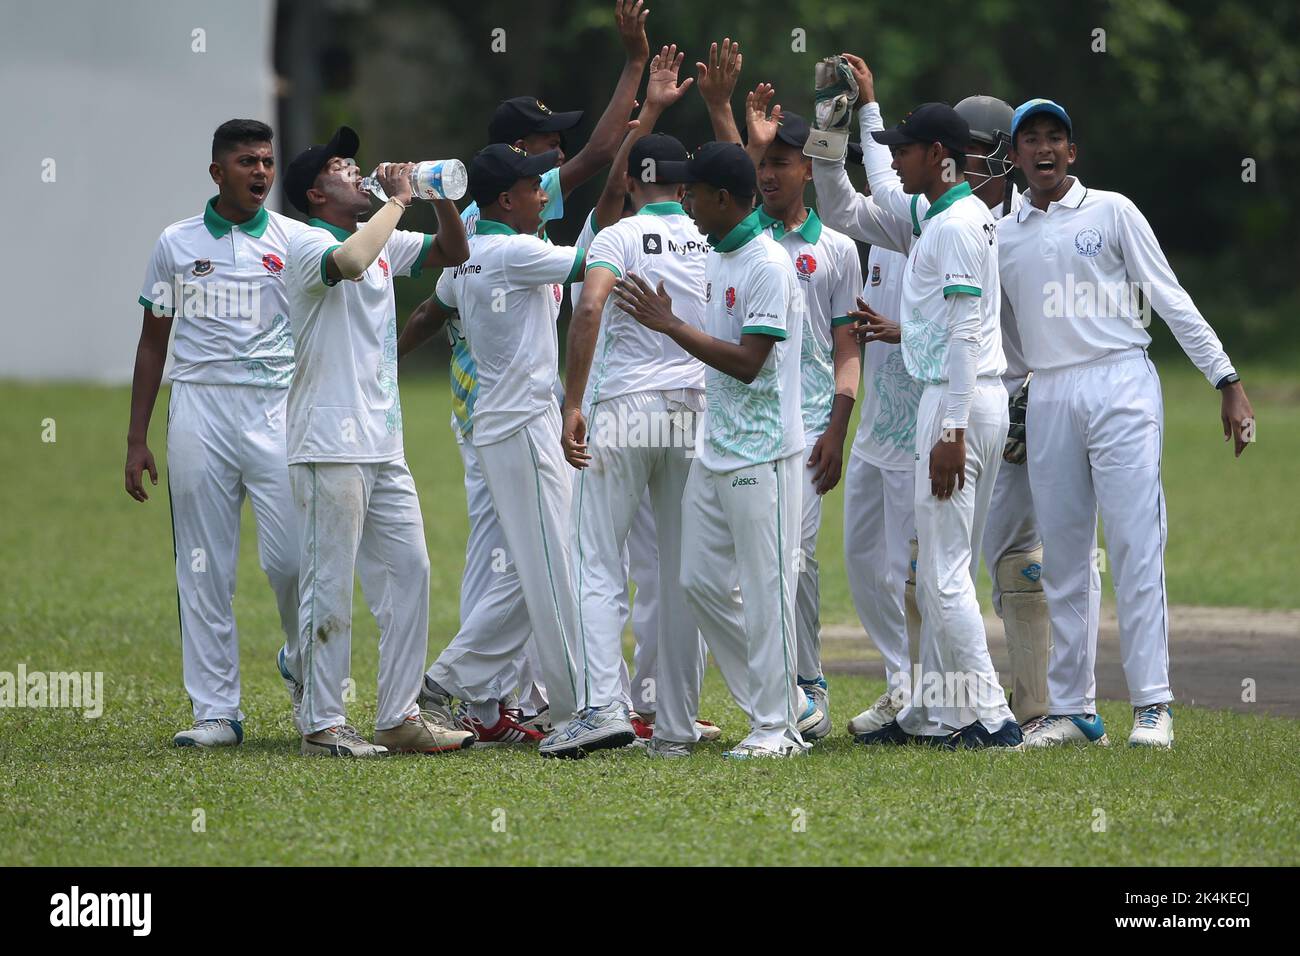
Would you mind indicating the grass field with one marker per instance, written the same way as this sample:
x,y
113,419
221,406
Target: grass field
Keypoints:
x,y
88,586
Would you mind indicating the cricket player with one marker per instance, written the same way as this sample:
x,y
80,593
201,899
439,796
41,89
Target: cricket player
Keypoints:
x,y
1075,264
489,588
741,508
830,277
951,339
354,494
219,278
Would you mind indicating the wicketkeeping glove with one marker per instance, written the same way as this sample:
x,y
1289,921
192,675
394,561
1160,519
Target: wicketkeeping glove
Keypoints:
x,y
837,91
1014,450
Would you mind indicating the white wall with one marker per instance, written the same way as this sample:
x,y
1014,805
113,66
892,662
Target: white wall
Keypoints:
x,y
112,91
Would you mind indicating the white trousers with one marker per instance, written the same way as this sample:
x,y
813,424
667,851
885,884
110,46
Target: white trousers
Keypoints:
x,y
483,660
739,528
957,685
879,525
808,624
1010,525
531,488
1094,438
225,442
639,442
360,519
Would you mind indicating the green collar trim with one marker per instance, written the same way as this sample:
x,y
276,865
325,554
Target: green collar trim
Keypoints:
x,y
490,227
810,230
338,232
220,226
743,232
947,199
661,209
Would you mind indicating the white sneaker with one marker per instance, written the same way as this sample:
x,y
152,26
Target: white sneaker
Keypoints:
x,y
812,718
596,728
880,714
818,693
220,732
666,749
753,751
294,687
1153,726
341,741
1058,730
708,730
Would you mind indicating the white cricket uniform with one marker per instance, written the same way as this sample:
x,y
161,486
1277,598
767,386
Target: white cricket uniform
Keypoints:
x,y
354,494
506,295
879,480
741,510
488,587
644,397
830,276
232,362
1095,425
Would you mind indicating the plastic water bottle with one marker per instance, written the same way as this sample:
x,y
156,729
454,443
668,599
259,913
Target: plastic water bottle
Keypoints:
x,y
430,180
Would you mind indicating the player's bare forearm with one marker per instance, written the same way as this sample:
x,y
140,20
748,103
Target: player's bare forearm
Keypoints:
x,y
609,207
723,122
741,360
580,347
847,358
841,413
450,246
427,319
150,359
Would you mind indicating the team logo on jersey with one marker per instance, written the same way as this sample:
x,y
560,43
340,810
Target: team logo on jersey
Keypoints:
x,y
806,265
652,244
273,264
731,297
708,291
557,292
875,275
383,266
1087,242
202,267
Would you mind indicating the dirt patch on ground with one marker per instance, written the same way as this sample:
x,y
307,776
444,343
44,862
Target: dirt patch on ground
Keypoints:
x,y
1213,652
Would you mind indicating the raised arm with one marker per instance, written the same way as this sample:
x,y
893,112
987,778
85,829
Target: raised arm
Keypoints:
x,y
760,127
717,80
605,138
450,245
886,188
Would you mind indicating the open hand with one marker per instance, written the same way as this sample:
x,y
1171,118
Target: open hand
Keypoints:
x,y
653,308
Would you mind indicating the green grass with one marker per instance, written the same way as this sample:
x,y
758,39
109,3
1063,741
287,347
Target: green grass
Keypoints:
x,y
88,586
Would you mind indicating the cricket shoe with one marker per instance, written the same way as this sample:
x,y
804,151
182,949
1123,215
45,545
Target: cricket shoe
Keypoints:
x,y
596,728
745,751
889,735
976,737
341,741
217,732
644,729
880,714
436,701
811,719
505,732
1058,730
422,733
540,721
667,749
708,730
1153,726
818,694
293,686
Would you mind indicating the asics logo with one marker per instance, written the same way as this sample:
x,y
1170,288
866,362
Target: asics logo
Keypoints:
x,y
743,481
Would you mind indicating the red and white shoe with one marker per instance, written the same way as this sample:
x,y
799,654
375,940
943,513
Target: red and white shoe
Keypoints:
x,y
640,727
505,732
708,730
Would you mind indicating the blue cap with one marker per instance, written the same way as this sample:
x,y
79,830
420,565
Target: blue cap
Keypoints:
x,y
1034,107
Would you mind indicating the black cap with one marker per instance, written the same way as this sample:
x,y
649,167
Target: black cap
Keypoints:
x,y
793,130
517,117
496,168
720,165
658,147
306,166
928,123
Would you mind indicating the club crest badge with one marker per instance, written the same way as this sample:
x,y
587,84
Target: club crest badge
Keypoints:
x,y
272,264
806,265
1087,242
383,266
875,274
731,297
652,244
202,267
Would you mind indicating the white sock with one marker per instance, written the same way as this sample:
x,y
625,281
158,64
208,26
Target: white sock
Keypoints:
x,y
487,712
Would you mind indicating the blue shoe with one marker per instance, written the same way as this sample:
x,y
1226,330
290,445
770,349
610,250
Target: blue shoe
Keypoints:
x,y
976,737
891,734
815,721
1058,730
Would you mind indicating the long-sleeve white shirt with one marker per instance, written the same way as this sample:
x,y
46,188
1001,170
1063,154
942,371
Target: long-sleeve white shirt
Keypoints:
x,y
1073,272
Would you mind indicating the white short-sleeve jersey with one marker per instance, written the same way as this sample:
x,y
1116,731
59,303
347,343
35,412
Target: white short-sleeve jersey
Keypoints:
x,y
830,277
506,294
750,288
956,254
343,404
224,284
660,244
